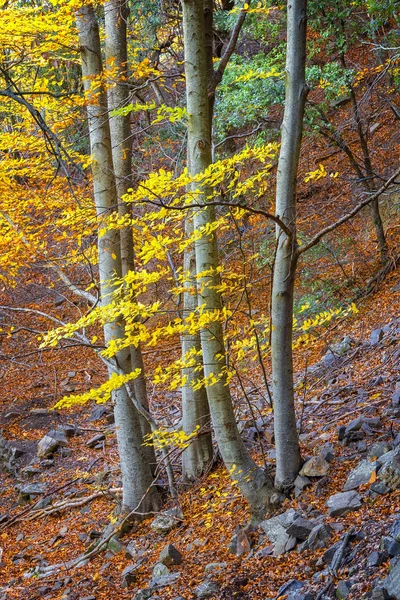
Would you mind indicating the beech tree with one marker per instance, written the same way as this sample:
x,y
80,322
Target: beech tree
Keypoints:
x,y
253,482
139,493
288,459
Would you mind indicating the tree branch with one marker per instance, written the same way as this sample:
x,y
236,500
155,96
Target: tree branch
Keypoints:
x,y
349,215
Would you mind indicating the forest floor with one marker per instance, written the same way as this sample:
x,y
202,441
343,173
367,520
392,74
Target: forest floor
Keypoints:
x,y
35,533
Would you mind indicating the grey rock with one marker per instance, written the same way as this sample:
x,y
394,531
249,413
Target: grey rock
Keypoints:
x,y
376,336
379,593
240,543
143,594
50,443
129,576
160,570
169,555
215,567
394,530
43,503
28,490
390,472
392,582
319,536
164,580
328,453
207,589
291,586
378,450
302,482
375,559
379,488
275,531
95,440
300,528
390,546
167,520
388,456
317,466
342,590
361,475
343,503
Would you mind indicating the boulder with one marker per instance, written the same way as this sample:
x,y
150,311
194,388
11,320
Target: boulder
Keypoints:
x,y
207,589
316,466
319,536
160,570
342,590
392,582
129,576
167,520
390,546
361,475
96,439
300,528
343,503
375,559
376,336
390,472
291,586
170,556
51,442
143,594
215,567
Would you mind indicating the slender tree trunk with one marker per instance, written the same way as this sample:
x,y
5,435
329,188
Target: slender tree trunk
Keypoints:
x,y
137,480
197,457
288,458
116,14
253,482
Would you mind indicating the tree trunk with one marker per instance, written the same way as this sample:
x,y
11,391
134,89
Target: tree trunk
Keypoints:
x,y
137,480
116,13
253,482
288,458
196,459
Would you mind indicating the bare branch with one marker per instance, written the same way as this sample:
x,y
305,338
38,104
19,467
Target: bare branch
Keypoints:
x,y
349,215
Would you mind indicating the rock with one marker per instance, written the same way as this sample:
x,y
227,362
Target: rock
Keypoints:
x,y
143,594
28,491
328,453
240,542
300,528
170,556
343,503
129,576
390,472
394,531
392,582
302,482
379,593
291,586
95,440
50,443
4,518
378,450
207,589
384,458
167,520
115,546
317,466
319,537
375,559
275,531
342,590
376,336
43,503
164,580
215,567
379,488
390,546
361,475
99,411
69,430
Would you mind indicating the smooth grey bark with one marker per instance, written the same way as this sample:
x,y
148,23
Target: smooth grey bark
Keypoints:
x,y
288,458
139,493
197,457
253,482
115,16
